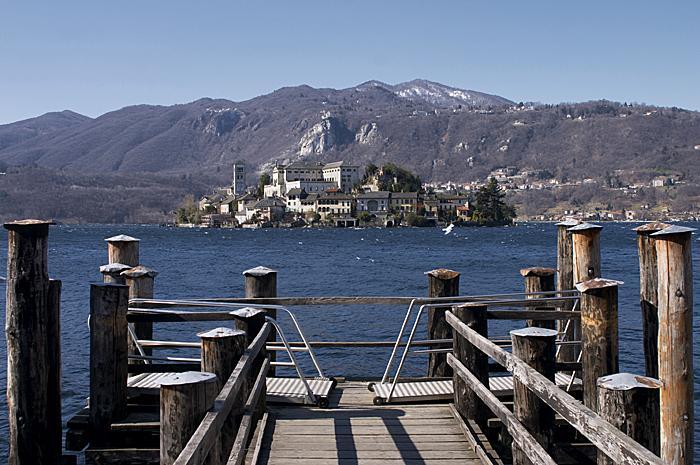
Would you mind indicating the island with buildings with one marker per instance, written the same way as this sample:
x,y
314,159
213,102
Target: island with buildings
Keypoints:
x,y
334,194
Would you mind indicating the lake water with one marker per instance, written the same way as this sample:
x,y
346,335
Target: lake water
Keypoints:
x,y
206,263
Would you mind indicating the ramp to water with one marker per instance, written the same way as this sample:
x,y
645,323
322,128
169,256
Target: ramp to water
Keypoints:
x,y
354,431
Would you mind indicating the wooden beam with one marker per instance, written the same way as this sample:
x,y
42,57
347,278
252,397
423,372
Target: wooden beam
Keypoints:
x,y
521,436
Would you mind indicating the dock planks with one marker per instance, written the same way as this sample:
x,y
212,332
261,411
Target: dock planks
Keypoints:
x,y
354,431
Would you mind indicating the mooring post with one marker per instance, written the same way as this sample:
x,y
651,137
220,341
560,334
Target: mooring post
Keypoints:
x,y
123,249
441,283
565,282
631,404
675,294
140,281
599,340
466,401
112,273
32,333
184,400
585,246
648,285
222,348
262,282
538,279
108,356
537,348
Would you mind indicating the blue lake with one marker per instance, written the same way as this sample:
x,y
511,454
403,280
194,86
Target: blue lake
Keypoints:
x,y
197,263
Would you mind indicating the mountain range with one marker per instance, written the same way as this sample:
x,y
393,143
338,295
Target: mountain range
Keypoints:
x,y
440,132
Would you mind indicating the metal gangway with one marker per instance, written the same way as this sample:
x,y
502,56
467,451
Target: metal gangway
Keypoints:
x,y
299,390
392,389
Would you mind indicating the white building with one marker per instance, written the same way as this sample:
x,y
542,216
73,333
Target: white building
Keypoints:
x,y
312,178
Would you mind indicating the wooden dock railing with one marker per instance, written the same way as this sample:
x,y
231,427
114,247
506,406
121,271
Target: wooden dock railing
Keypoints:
x,y
229,402
607,438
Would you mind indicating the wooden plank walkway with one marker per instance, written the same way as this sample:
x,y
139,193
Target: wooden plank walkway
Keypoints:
x,y
354,431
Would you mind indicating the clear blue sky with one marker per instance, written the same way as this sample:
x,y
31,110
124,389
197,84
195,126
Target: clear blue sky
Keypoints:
x,y
94,56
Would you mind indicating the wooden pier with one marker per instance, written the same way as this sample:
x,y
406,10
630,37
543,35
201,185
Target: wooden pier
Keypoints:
x,y
541,396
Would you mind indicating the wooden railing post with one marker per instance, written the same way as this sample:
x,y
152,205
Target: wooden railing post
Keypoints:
x,y
599,340
112,273
565,282
262,282
648,289
537,348
251,320
631,404
441,283
123,249
466,400
184,400
141,282
538,279
675,278
222,348
32,333
108,356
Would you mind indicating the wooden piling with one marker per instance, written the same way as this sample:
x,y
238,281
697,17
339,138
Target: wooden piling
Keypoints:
x,y
112,273
538,279
53,419
123,249
141,282
585,246
262,282
222,348
184,400
467,402
537,348
565,281
631,404
599,339
648,284
108,356
251,321
441,283
675,299
31,330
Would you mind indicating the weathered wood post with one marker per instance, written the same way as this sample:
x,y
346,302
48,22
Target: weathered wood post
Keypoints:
x,y
675,277
538,279
466,401
599,341
631,404
441,283
32,332
222,348
262,282
123,249
184,400
108,356
140,281
648,284
565,282
537,348
585,246
112,273
251,321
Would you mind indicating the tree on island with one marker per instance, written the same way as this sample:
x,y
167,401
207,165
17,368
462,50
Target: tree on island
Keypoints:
x,y
397,179
264,180
490,208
